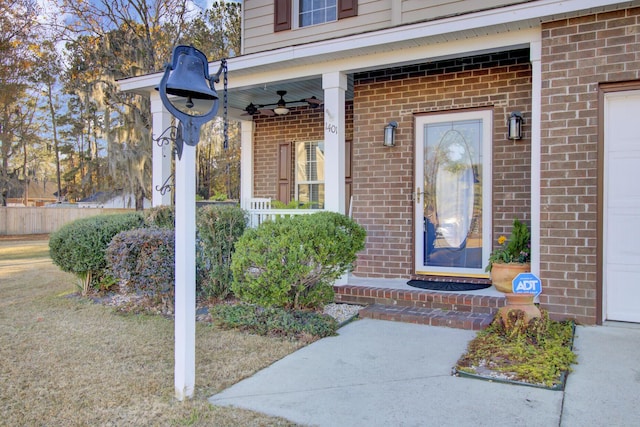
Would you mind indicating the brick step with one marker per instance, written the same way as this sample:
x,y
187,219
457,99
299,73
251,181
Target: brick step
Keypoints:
x,y
428,316
457,310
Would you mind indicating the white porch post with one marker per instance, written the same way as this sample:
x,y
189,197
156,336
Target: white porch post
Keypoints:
x,y
536,147
335,86
185,290
246,163
161,156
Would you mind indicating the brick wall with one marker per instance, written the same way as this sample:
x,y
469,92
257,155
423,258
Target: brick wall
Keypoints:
x,y
577,55
301,124
383,178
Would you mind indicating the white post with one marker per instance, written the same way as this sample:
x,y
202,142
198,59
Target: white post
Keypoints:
x,y
536,144
161,155
335,86
185,288
246,163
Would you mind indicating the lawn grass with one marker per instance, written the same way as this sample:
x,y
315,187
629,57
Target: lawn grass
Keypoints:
x,y
69,362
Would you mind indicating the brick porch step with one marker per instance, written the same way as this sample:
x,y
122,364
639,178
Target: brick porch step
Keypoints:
x,y
428,316
455,310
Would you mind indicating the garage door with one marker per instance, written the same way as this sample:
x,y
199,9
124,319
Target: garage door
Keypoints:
x,y
622,207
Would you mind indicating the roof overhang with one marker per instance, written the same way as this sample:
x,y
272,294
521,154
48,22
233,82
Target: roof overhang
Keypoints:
x,y
299,69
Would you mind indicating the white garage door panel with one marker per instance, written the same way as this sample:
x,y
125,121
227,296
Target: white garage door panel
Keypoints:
x,y
622,299
622,241
624,179
622,208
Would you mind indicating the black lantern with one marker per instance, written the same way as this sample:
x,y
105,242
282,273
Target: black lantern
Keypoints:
x,y
390,134
515,125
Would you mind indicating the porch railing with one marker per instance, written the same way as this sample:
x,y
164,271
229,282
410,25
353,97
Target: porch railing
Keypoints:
x,y
258,216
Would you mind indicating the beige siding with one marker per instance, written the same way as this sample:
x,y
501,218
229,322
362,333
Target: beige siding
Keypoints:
x,y
421,10
372,15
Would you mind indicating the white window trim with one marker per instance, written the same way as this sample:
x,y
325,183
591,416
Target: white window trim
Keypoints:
x,y
295,18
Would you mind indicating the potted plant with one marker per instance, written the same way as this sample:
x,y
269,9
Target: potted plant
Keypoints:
x,y
511,257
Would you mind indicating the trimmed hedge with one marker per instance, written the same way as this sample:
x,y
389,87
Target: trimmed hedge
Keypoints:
x,y
160,216
143,262
219,227
79,246
293,262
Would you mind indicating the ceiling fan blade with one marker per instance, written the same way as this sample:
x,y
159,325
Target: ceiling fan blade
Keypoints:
x,y
267,112
313,101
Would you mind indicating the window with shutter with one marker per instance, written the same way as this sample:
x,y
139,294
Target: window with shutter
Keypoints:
x,y
310,173
311,12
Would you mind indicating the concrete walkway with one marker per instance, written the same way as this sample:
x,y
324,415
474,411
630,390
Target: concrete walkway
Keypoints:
x,y
378,373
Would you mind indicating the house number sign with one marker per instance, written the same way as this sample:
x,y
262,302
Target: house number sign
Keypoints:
x,y
331,128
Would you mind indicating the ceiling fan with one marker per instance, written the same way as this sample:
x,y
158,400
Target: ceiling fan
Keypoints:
x,y
279,108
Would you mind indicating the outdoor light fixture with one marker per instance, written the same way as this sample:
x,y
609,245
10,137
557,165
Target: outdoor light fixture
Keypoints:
x,y
187,79
390,134
515,125
281,107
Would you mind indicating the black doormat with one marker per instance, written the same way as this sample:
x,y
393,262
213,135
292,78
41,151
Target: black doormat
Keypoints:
x,y
447,286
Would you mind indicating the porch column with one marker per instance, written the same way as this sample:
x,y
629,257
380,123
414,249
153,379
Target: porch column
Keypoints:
x,y
246,162
161,156
535,50
335,86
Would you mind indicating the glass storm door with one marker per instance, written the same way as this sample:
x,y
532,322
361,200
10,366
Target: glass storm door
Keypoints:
x,y
453,193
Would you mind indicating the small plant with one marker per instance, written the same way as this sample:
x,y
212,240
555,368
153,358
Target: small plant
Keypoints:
x,y
274,321
143,262
79,246
160,216
219,227
293,262
294,204
515,249
536,352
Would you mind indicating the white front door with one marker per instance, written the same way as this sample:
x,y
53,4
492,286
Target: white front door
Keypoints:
x,y
621,231
453,193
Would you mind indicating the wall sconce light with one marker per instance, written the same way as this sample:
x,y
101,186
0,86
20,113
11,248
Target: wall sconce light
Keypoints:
x,y
515,125
390,134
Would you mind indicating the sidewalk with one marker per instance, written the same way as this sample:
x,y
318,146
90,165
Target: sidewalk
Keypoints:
x,y
378,373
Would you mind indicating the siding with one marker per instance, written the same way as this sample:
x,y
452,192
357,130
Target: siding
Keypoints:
x,y
373,15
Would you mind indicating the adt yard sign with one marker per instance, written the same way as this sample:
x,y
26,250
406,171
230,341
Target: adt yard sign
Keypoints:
x,y
527,283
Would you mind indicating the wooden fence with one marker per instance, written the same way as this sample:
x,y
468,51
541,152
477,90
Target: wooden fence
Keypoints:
x,y
18,220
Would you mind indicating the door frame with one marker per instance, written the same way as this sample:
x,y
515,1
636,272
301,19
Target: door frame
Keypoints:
x,y
486,114
603,90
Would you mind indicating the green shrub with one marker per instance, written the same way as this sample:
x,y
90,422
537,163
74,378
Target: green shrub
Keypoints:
x,y
160,216
274,321
219,227
79,246
293,262
143,262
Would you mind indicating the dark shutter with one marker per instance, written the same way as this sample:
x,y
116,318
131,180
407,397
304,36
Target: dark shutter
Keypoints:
x,y
284,173
347,8
281,15
348,182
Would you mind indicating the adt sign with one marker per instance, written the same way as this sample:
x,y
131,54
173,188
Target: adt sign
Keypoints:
x,y
527,283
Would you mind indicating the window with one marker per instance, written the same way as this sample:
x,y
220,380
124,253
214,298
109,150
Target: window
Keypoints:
x,y
310,173
314,12
290,14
